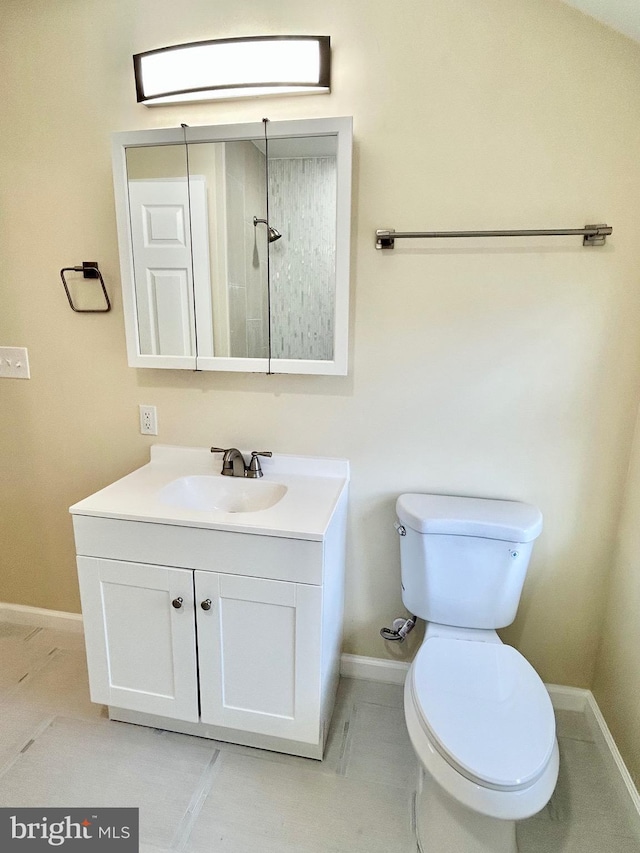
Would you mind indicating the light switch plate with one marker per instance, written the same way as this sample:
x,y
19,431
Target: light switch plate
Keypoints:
x,y
14,363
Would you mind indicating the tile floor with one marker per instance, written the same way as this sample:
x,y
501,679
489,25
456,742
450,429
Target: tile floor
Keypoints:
x,y
58,749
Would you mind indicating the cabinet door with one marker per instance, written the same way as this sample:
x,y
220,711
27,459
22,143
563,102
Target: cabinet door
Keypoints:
x,y
141,649
259,653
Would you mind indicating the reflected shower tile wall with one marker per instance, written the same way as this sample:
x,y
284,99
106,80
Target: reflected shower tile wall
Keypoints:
x,y
302,193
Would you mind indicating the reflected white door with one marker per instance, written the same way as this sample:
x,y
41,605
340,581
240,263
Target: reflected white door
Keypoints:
x,y
164,212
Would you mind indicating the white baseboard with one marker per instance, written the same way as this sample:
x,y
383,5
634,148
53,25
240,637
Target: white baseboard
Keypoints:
x,y
394,672
568,698
373,669
20,614
611,755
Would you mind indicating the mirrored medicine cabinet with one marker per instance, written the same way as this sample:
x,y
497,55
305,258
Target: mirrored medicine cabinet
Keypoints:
x,y
234,245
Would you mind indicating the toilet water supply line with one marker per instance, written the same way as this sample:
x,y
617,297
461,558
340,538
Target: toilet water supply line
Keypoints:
x,y
400,627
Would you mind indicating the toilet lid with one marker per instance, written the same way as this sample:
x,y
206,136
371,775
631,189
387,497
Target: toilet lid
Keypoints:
x,y
485,709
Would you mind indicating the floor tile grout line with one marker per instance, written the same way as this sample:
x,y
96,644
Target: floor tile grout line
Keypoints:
x,y
345,746
32,634
35,734
39,666
205,783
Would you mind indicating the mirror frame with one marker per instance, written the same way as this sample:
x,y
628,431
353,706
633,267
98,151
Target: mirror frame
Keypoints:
x,y
342,129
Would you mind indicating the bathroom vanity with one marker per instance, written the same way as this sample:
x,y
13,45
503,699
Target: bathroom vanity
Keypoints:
x,y
213,605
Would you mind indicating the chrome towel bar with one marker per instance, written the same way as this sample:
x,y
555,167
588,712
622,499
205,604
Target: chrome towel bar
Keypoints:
x,y
593,235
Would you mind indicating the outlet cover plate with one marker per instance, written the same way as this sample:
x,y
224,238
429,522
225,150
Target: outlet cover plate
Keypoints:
x,y
14,363
148,420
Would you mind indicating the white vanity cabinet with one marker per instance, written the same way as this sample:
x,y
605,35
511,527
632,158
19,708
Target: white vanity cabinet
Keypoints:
x,y
228,635
258,661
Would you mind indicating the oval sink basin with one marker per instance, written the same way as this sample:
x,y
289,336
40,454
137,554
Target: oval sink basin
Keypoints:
x,y
225,494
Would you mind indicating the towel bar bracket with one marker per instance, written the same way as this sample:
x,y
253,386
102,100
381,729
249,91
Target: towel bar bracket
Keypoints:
x,y
598,237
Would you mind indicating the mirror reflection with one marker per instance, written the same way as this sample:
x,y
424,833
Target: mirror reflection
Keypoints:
x,y
161,242
302,206
234,247
235,271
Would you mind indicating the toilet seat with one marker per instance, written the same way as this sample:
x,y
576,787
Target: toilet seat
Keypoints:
x,y
485,710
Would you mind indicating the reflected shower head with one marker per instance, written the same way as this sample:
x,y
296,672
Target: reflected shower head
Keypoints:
x,y
274,234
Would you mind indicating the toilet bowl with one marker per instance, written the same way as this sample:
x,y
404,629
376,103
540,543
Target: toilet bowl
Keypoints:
x,y
482,725
483,710
478,715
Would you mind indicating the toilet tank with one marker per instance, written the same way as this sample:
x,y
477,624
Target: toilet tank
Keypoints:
x,y
464,560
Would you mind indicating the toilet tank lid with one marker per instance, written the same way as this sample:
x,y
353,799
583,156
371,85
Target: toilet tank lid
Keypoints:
x,y
511,521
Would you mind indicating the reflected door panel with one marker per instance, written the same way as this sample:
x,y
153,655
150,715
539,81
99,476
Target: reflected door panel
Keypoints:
x,y
162,266
165,310
161,211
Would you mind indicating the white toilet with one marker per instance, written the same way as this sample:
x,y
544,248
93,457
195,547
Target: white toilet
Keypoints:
x,y
478,714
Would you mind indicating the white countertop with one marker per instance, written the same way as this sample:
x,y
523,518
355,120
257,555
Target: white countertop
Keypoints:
x,y
314,487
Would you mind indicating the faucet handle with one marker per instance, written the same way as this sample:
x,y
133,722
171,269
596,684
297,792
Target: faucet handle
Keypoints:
x,y
255,469
218,450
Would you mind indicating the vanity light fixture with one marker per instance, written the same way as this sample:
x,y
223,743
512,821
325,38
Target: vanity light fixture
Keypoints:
x,y
233,68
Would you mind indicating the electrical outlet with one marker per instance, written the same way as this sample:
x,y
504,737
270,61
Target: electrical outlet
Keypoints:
x,y
148,420
14,363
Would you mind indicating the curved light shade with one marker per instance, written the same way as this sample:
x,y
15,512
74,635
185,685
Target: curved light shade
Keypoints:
x,y
233,68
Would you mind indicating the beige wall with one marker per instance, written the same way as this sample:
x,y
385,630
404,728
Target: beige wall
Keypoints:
x,y
617,677
506,369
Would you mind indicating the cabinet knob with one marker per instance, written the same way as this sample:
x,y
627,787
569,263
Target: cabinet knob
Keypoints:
x,y
206,604
177,603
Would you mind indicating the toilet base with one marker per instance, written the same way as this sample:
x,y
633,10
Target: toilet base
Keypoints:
x,y
443,825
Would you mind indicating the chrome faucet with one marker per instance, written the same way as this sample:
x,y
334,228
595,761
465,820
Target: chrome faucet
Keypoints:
x,y
233,464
